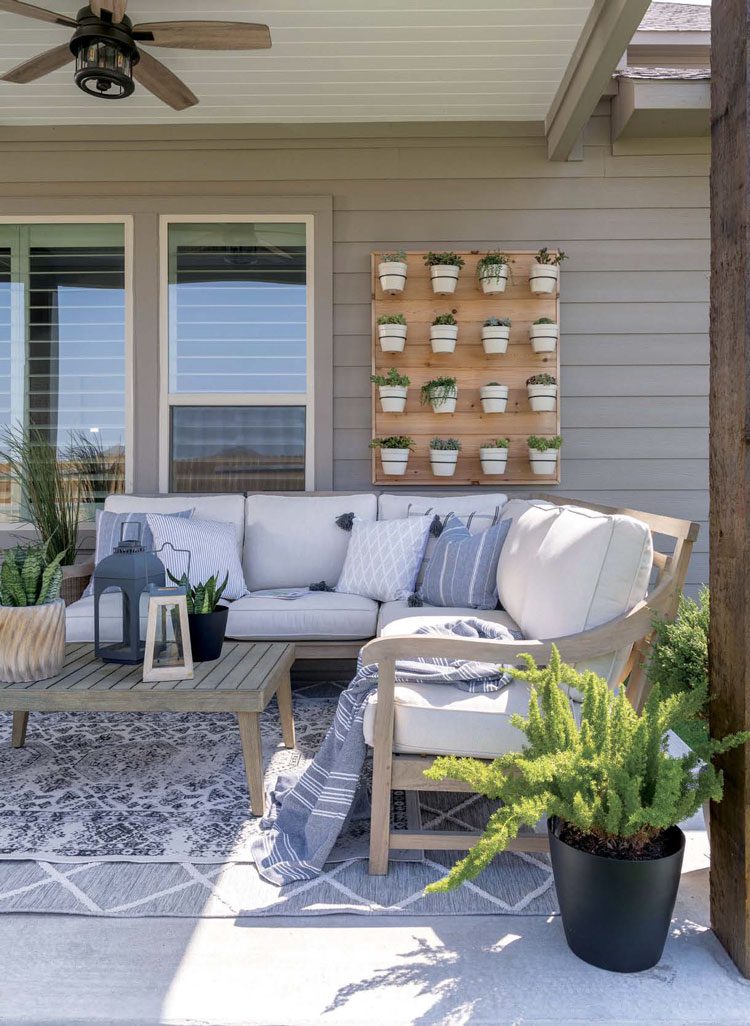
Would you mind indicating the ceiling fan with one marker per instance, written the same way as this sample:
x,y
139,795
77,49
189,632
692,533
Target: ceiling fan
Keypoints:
x,y
106,47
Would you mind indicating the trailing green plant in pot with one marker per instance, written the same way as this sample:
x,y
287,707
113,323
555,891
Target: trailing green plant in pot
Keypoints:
x,y
32,615
444,271
544,276
492,271
441,394
444,456
207,619
544,453
493,456
393,389
613,795
392,269
542,393
444,333
543,335
495,335
394,453
392,332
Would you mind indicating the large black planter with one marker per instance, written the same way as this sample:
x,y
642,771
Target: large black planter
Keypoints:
x,y
616,912
207,633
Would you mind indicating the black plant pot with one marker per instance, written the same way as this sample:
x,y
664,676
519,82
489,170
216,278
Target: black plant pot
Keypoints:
x,y
207,633
616,912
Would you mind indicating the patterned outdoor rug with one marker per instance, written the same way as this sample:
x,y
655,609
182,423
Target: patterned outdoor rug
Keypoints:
x,y
134,814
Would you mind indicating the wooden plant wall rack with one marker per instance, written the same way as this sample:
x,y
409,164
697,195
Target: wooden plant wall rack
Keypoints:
x,y
471,367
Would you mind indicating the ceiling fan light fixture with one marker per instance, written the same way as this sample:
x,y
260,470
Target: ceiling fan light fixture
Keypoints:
x,y
105,55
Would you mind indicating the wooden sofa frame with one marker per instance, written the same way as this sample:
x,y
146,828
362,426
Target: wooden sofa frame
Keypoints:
x,y
634,630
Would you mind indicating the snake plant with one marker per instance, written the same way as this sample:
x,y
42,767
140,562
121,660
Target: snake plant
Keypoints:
x,y
28,577
204,597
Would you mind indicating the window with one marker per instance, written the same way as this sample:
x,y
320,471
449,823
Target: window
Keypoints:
x,y
62,344
237,404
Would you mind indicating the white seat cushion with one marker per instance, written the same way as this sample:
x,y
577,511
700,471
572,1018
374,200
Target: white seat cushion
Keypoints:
x,y
400,618
438,719
317,615
229,509
292,541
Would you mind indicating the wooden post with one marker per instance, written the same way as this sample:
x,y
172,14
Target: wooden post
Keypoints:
x,y
730,469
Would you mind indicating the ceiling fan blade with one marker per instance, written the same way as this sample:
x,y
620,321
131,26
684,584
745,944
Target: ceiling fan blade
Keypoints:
x,y
205,35
115,7
30,11
159,80
40,65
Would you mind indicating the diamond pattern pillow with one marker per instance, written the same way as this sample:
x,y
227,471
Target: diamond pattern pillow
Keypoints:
x,y
383,558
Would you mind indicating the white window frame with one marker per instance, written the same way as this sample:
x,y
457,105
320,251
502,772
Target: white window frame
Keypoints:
x,y
167,400
126,220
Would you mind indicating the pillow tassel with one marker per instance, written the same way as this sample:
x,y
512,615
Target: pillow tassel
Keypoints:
x,y
436,527
345,521
414,600
320,586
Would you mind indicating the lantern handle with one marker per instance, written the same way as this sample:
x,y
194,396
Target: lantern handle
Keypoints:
x,y
185,552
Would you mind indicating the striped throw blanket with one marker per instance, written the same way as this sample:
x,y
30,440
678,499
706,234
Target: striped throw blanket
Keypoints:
x,y
308,813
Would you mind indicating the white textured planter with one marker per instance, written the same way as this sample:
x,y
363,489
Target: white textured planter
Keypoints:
x,y
544,278
394,461
542,398
32,641
443,462
444,278
494,398
392,275
493,460
493,278
544,337
443,337
543,463
392,398
495,339
447,405
392,337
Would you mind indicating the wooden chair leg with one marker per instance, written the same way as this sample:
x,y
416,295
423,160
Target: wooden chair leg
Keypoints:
x,y
252,750
380,815
18,735
286,714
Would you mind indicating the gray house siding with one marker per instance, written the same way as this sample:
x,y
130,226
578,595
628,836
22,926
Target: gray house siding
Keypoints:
x,y
634,223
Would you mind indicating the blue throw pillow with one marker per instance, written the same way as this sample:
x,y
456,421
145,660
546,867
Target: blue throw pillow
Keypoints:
x,y
463,568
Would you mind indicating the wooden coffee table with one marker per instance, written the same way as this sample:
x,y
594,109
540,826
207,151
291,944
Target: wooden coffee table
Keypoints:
x,y
242,681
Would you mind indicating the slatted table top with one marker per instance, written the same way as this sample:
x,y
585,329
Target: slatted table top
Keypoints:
x,y
243,679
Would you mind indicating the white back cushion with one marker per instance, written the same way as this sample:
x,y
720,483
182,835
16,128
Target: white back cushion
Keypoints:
x,y
230,509
396,507
293,540
565,569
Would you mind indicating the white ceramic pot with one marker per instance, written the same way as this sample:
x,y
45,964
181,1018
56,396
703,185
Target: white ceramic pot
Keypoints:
x,y
447,405
543,462
493,278
493,460
542,398
544,337
392,337
443,462
392,398
444,278
544,278
394,461
495,339
392,275
494,398
443,337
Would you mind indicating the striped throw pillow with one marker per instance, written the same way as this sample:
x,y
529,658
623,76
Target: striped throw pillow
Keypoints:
x,y
212,545
476,521
108,527
463,568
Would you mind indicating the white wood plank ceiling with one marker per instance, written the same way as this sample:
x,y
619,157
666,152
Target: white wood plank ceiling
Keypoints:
x,y
331,61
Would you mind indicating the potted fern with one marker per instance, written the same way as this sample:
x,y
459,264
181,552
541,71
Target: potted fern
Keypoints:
x,y
392,272
444,333
32,615
441,394
493,456
392,388
444,271
495,335
544,335
542,392
392,332
494,397
543,453
492,271
613,795
394,453
444,456
544,276
207,619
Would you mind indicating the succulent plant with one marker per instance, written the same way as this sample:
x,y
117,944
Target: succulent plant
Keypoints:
x,y
543,444
396,256
541,379
445,319
393,379
447,259
438,390
497,322
497,443
544,320
393,442
203,598
444,444
493,259
545,257
28,578
391,319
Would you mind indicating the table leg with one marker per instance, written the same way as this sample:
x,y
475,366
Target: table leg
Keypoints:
x,y
252,751
286,715
18,736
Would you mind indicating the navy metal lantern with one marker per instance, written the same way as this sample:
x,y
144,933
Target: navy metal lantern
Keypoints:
x,y
130,570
